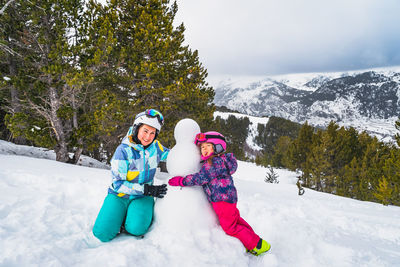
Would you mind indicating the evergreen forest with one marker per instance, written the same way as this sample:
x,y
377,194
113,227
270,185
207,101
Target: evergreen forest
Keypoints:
x,y
76,72
335,160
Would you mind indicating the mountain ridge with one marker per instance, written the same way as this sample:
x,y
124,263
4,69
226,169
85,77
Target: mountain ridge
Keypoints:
x,y
368,100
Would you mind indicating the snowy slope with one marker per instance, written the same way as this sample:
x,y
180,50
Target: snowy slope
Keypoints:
x,y
47,210
373,127
253,131
366,99
303,81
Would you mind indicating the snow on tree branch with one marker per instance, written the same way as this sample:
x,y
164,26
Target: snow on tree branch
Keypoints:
x,y
5,6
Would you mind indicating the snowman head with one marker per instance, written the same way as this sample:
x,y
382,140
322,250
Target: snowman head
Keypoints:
x,y
185,131
184,158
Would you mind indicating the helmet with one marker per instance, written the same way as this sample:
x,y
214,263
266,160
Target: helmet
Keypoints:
x,y
149,117
215,138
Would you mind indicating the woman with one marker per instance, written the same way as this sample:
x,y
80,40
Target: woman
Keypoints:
x,y
130,199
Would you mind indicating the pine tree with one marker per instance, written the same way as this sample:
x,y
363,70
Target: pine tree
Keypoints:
x,y
157,70
280,155
301,147
346,146
49,76
271,176
391,170
384,191
12,51
343,146
299,152
351,179
319,164
91,69
372,164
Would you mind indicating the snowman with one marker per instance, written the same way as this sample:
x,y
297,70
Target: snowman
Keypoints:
x,y
184,208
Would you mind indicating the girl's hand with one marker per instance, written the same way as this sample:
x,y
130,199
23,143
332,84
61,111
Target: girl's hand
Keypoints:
x,y
176,181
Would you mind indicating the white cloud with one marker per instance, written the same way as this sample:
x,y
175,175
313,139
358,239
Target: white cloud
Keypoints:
x,y
258,37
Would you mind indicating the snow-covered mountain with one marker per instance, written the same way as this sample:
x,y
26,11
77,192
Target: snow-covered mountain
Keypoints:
x,y
367,100
48,208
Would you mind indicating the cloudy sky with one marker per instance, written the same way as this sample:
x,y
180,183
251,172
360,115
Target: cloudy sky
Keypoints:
x,y
268,37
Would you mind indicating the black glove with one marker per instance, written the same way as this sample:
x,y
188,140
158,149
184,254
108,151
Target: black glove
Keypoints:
x,y
155,190
163,166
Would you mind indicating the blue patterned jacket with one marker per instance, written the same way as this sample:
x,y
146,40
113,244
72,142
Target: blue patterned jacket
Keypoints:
x,y
216,179
132,166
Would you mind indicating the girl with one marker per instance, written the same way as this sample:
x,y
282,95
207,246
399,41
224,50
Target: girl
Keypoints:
x,y
130,199
216,180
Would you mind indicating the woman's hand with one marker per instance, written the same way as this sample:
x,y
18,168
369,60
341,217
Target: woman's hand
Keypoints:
x,y
155,190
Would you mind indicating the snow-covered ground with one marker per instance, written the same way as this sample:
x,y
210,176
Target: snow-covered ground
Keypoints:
x,y
47,210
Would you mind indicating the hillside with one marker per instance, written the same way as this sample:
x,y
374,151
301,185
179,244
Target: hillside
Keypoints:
x,y
47,211
367,100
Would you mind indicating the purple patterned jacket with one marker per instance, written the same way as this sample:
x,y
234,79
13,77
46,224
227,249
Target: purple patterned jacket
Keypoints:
x,y
216,179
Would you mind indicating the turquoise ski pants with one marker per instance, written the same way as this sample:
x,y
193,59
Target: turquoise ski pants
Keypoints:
x,y
138,215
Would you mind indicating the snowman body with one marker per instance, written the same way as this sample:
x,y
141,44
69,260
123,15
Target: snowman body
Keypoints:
x,y
184,209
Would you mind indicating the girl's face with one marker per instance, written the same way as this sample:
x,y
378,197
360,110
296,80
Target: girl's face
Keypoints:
x,y
206,149
146,134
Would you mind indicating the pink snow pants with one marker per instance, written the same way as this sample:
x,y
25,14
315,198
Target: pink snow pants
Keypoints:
x,y
234,225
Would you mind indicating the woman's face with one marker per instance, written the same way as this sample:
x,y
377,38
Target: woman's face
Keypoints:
x,y
206,149
146,134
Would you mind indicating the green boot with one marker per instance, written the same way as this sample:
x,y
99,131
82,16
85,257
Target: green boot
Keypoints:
x,y
262,246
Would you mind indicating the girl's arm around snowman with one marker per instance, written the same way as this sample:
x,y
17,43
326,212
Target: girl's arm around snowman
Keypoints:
x,y
221,166
200,178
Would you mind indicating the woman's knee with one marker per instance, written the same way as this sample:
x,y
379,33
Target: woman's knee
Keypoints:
x,y
110,218
104,234
137,227
139,216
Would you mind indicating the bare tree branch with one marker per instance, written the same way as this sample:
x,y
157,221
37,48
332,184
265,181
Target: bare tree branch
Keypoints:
x,y
5,6
8,50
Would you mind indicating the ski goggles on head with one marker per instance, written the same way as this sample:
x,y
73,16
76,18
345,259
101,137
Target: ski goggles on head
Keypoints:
x,y
200,137
155,114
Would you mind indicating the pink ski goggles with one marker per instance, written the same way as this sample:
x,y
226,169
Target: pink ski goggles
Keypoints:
x,y
202,137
